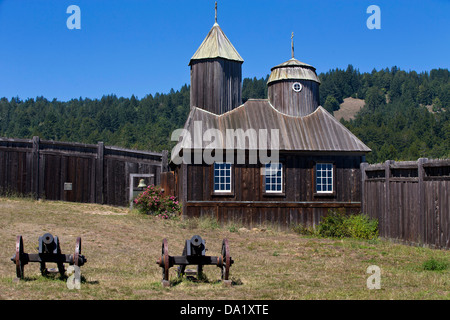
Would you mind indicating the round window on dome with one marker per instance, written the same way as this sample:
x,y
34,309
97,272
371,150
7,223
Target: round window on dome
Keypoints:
x,y
297,87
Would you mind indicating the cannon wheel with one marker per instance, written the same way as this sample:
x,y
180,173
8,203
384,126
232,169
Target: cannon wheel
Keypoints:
x,y
77,252
19,257
165,260
226,260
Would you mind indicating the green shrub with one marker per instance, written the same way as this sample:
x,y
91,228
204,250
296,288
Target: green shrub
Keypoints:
x,y
361,227
435,265
338,225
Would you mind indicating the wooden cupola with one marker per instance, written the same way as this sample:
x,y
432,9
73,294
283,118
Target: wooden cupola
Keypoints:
x,y
293,87
216,73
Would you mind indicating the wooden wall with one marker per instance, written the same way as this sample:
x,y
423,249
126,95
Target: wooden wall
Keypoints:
x,y
216,85
411,200
168,182
97,173
250,205
298,104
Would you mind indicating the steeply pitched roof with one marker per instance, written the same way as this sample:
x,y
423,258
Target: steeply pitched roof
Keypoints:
x,y
216,45
316,132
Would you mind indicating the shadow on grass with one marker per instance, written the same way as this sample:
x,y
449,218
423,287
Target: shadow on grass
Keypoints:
x,y
203,279
53,277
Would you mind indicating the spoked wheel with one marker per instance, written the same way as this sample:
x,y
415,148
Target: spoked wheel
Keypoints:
x,y
19,258
76,256
165,260
226,260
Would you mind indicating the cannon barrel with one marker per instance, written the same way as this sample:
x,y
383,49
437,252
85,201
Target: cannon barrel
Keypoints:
x,y
196,241
48,238
48,243
197,246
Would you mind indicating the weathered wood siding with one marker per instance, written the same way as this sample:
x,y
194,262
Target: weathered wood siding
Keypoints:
x,y
410,200
98,173
248,203
216,85
286,100
17,168
168,182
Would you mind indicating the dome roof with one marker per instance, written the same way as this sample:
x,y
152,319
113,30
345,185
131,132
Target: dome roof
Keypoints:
x,y
293,70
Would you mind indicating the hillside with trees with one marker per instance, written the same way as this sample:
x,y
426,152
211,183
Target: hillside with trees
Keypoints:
x,y
406,114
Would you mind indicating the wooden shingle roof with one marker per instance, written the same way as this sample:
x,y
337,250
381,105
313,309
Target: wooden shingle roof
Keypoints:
x,y
216,45
316,132
293,69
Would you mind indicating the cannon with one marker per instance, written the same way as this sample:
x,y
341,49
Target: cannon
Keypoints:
x,y
194,254
49,251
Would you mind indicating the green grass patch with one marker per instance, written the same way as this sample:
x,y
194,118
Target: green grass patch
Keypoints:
x,y
435,265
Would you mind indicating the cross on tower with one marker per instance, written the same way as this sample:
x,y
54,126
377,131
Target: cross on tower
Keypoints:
x,y
215,9
292,44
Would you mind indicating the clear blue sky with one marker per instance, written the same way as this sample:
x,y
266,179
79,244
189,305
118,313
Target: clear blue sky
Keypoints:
x,y
142,47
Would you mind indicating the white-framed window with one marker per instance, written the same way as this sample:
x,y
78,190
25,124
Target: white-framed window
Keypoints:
x,y
222,177
297,86
273,176
324,177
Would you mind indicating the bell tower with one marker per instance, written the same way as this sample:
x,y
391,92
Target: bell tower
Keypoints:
x,y
216,73
293,87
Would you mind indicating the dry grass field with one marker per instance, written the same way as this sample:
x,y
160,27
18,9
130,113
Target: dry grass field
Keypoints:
x,y
122,247
349,108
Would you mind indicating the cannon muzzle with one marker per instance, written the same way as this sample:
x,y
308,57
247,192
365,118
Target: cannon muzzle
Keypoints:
x,y
48,244
197,247
196,241
47,238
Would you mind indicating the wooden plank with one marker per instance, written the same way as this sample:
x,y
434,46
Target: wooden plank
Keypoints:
x,y
387,199
99,173
275,204
41,179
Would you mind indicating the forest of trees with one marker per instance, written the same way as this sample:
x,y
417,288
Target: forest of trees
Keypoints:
x,y
406,114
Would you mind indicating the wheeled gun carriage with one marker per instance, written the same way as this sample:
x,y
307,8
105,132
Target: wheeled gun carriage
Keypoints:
x,y
49,251
194,254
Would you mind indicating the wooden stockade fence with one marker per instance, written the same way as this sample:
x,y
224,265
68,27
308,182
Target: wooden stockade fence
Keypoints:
x,y
75,172
410,199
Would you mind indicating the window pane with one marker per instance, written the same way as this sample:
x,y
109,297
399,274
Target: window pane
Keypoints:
x,y
324,177
273,177
222,177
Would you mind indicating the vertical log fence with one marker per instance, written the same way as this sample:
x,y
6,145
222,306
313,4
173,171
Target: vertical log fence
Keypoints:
x,y
410,199
76,172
